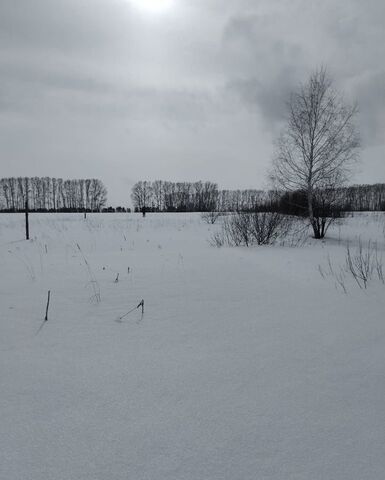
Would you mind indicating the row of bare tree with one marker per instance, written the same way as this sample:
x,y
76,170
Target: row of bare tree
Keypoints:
x,y
363,198
163,196
353,198
52,194
244,200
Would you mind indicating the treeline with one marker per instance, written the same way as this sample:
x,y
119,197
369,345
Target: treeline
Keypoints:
x,y
246,200
331,202
45,194
362,198
163,196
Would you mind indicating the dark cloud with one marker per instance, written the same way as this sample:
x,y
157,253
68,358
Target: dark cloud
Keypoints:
x,y
370,90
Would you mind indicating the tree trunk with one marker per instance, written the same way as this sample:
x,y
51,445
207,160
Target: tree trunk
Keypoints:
x,y
313,221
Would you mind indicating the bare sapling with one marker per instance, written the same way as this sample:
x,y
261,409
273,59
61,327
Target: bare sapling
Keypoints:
x,y
360,264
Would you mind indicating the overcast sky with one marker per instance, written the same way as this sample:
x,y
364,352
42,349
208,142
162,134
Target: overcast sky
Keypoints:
x,y
193,89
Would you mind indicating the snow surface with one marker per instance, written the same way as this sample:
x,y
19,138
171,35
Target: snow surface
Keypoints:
x,y
247,363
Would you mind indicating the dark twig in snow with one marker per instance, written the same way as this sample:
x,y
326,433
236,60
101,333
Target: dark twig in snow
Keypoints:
x,y
94,283
47,307
46,312
140,304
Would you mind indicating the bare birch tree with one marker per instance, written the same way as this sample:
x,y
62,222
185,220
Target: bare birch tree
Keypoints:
x,y
316,151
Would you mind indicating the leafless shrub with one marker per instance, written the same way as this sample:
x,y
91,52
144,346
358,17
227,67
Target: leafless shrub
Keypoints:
x,y
360,264
239,228
257,228
296,234
266,227
210,217
217,239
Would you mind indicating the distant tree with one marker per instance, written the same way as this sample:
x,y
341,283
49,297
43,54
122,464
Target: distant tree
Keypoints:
x,y
141,195
157,188
316,150
52,194
98,195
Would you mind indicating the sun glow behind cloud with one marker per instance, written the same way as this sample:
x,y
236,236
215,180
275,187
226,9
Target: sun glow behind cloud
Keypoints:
x,y
152,6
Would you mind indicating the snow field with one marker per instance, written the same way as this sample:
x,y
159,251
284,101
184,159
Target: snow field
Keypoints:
x,y
247,363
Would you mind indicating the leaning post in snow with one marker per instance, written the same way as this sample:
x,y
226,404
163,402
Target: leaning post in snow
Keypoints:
x,y
47,307
26,220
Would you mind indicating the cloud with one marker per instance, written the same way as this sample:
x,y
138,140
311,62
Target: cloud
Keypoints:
x,y
95,86
271,53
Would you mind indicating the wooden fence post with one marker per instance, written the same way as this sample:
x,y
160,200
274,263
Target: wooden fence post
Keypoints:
x,y
26,220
